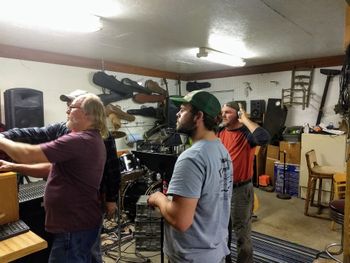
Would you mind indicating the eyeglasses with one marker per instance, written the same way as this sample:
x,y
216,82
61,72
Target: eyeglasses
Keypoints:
x,y
70,107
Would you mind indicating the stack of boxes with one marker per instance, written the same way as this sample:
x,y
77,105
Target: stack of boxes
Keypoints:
x,y
291,166
275,166
147,226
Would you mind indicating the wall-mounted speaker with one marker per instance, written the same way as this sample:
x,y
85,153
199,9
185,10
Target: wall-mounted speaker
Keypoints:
x,y
23,108
257,109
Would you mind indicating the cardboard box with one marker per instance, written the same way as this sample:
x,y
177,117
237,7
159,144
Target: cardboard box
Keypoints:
x,y
292,150
259,163
269,169
273,152
9,207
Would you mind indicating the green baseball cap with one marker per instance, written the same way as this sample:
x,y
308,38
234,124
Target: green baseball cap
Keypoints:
x,y
202,100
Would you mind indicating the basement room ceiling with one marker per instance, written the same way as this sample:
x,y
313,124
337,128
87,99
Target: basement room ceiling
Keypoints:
x,y
166,34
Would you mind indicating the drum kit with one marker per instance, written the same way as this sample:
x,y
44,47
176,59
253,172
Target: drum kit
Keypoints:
x,y
135,181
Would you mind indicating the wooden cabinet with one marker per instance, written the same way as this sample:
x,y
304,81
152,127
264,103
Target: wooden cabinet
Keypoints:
x,y
330,151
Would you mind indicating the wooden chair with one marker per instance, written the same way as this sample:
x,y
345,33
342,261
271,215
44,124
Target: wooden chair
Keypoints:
x,y
339,184
316,173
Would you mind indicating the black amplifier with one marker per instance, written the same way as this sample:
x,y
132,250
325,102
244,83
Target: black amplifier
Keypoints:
x,y
31,211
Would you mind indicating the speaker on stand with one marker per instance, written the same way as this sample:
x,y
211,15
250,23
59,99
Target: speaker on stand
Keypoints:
x,y
275,118
23,108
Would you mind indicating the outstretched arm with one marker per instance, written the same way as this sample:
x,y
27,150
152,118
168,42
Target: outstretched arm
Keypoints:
x,y
36,135
39,170
22,152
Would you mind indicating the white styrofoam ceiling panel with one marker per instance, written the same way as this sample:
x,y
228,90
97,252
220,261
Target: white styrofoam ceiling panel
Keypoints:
x,y
164,34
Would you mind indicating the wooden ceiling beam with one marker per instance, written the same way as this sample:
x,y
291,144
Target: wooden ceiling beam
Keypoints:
x,y
7,51
276,67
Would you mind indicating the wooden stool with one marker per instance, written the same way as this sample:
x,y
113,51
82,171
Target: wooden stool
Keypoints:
x,y
316,173
339,184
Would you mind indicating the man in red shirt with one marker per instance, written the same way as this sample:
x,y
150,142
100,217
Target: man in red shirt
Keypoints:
x,y
240,136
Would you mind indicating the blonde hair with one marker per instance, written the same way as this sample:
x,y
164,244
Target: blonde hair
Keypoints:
x,y
93,106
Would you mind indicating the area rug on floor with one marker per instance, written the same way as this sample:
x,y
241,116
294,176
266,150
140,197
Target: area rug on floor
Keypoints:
x,y
273,250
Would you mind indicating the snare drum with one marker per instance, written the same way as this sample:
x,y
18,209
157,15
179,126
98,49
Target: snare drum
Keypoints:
x,y
128,162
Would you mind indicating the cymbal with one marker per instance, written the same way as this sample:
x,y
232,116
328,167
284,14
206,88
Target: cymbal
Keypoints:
x,y
118,134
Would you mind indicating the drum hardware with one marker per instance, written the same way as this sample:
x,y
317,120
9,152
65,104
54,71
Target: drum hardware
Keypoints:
x,y
133,190
121,258
128,162
132,175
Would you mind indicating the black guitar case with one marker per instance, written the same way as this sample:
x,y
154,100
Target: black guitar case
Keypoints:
x,y
113,96
106,81
191,86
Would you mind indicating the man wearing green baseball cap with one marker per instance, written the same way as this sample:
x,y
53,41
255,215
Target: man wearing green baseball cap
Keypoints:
x,y
201,187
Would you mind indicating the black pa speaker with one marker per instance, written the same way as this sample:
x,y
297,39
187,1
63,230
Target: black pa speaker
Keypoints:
x,y
257,109
275,118
23,108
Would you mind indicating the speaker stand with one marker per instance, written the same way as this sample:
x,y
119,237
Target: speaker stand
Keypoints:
x,y
284,195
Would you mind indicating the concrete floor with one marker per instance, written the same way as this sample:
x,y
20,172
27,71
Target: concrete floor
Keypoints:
x,y
282,219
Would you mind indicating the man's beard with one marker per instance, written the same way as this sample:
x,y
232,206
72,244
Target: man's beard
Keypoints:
x,y
70,123
223,124
188,128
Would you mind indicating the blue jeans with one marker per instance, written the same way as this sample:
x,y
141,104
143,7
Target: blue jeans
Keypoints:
x,y
73,247
96,248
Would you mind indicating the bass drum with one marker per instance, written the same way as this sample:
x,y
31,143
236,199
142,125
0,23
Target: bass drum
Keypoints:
x,y
133,191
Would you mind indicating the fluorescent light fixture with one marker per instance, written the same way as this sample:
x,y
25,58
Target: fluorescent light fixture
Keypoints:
x,y
220,57
55,15
230,45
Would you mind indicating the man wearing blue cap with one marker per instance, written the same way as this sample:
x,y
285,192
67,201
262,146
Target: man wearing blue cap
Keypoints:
x,y
197,208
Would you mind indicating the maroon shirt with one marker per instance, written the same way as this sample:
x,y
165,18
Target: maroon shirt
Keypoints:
x,y
72,190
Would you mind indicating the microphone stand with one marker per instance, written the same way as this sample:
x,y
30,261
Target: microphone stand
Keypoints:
x,y
284,195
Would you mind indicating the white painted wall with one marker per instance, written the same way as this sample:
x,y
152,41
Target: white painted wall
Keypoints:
x,y
263,89
55,80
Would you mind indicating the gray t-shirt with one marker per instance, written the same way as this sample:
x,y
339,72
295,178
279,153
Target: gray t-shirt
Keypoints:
x,y
204,171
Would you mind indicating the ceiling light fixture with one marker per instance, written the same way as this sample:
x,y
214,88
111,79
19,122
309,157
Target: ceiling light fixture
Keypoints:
x,y
220,57
54,15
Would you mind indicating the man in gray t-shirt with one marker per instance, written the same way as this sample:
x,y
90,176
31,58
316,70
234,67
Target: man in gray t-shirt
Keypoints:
x,y
197,216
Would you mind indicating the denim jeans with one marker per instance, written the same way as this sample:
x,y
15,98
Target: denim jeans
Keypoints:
x,y
73,247
96,248
241,214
